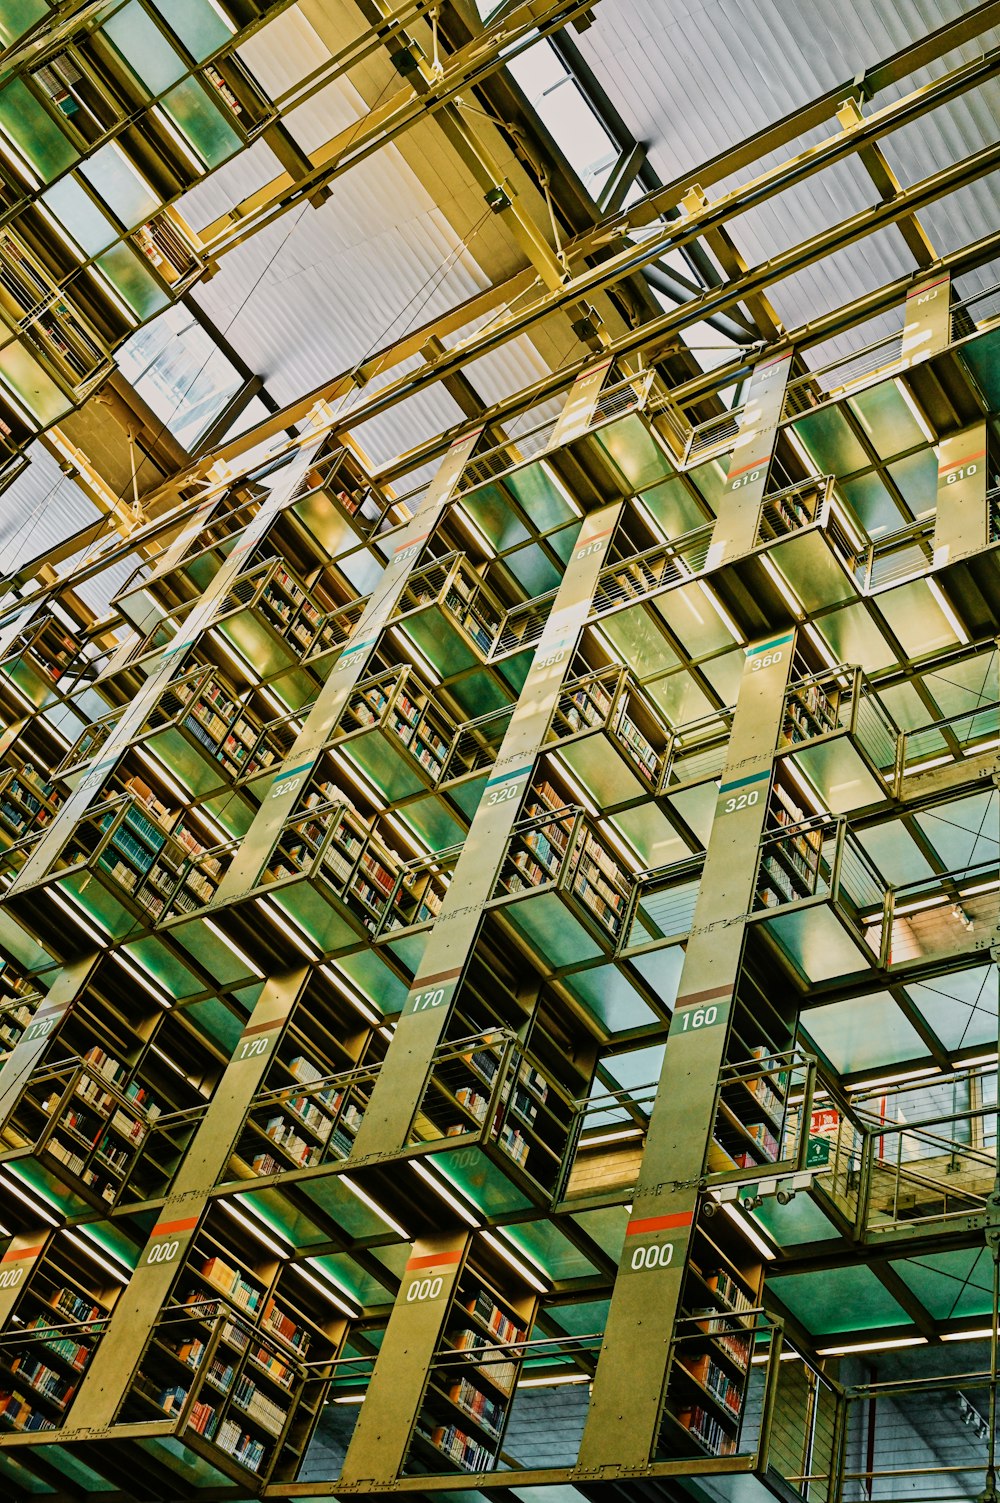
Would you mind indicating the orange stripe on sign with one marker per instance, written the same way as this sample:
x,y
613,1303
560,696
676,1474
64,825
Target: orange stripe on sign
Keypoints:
x,y
164,1228
917,291
713,991
743,468
959,462
583,542
10,1256
434,1258
658,1223
412,540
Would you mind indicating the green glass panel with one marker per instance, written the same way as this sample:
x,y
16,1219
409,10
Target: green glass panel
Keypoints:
x,y
532,570
34,132
951,1285
863,1033
832,445
144,47
886,418
201,122
76,211
982,358
960,1008
536,489
491,511
839,1299
872,504
116,182
33,388
198,24
17,16
131,280
917,480
673,506
710,480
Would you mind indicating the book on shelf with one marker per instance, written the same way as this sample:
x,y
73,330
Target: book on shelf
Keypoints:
x,y
469,1454
239,1444
711,1432
489,1412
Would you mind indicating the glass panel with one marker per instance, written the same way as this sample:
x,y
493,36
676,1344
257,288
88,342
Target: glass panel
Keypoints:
x,y
176,368
34,132
17,16
128,197
30,384
144,47
198,24
194,113
131,280
76,211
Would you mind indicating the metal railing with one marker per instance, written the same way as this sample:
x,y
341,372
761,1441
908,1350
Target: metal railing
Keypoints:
x,y
97,1131
955,739
820,858
476,745
755,1127
303,1126
565,851
605,1145
942,914
841,699
491,1089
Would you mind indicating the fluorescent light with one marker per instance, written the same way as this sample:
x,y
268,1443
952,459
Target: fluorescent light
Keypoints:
x,y
348,1309
374,1206
159,771
359,780
721,612
101,938
289,929
349,1398
804,786
915,412
576,789
891,1080
123,1275
947,612
980,1059
413,654
255,1230
33,1204
243,959
439,1189
521,1268
122,959
236,658
555,1382
362,1007
782,586
182,146
611,1137
750,1232
871,1346
984,1335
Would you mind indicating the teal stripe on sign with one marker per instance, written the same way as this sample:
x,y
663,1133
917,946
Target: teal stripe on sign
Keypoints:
x,y
293,771
770,646
756,777
356,647
505,777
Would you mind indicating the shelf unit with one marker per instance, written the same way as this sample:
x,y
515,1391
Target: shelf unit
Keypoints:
x,y
314,1093
466,1402
228,1355
790,867
63,1294
713,1344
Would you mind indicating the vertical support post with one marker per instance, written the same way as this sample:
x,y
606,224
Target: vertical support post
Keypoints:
x,y
115,1358
578,413
58,834
428,1004
30,1047
927,329
736,522
350,666
379,1443
962,524
635,1354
